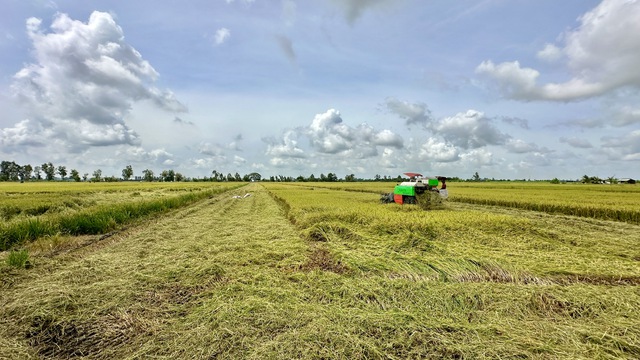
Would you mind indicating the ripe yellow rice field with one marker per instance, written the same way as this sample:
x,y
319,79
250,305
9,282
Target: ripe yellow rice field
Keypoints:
x,y
609,202
317,270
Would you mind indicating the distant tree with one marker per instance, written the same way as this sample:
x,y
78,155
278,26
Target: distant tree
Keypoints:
x,y
179,177
312,177
85,176
26,172
167,175
323,177
475,177
62,170
49,171
214,175
332,177
230,177
75,175
7,170
377,177
127,172
147,175
254,176
555,181
36,172
10,171
350,177
237,177
97,175
44,167
612,180
300,178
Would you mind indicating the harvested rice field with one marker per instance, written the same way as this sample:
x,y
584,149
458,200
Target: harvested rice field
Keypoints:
x,y
308,270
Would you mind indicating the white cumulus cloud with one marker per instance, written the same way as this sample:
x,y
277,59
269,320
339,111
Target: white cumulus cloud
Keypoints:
x,y
550,53
328,135
222,35
469,130
602,54
140,155
412,113
438,151
478,157
82,84
286,148
519,146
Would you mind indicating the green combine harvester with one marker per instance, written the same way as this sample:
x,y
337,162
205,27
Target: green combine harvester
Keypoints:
x,y
419,190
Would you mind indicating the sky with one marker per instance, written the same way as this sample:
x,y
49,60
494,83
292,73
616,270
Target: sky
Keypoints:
x,y
526,89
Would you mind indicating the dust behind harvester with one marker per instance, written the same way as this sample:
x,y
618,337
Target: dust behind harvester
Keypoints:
x,y
419,190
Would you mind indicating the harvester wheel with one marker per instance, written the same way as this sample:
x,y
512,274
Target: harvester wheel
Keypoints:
x,y
386,198
409,200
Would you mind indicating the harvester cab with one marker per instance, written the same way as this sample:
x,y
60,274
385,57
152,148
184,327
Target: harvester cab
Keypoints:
x,y
419,190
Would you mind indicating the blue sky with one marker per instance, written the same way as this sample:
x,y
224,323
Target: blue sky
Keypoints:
x,y
511,89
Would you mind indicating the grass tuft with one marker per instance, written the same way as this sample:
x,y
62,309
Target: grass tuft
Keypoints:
x,y
19,259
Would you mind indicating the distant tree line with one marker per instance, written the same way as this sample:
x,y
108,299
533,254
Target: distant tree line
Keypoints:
x,y
11,171
586,179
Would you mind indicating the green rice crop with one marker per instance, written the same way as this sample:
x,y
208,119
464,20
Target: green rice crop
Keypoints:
x,y
102,209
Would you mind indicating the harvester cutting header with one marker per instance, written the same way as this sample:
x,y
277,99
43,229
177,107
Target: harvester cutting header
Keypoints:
x,y
419,190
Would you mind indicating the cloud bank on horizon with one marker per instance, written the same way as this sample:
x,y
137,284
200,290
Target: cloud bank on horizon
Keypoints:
x,y
363,87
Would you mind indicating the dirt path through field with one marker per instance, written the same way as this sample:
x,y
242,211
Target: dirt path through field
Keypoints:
x,y
142,292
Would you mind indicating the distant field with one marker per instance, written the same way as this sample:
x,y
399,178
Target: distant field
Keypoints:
x,y
318,270
619,202
37,198
504,236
